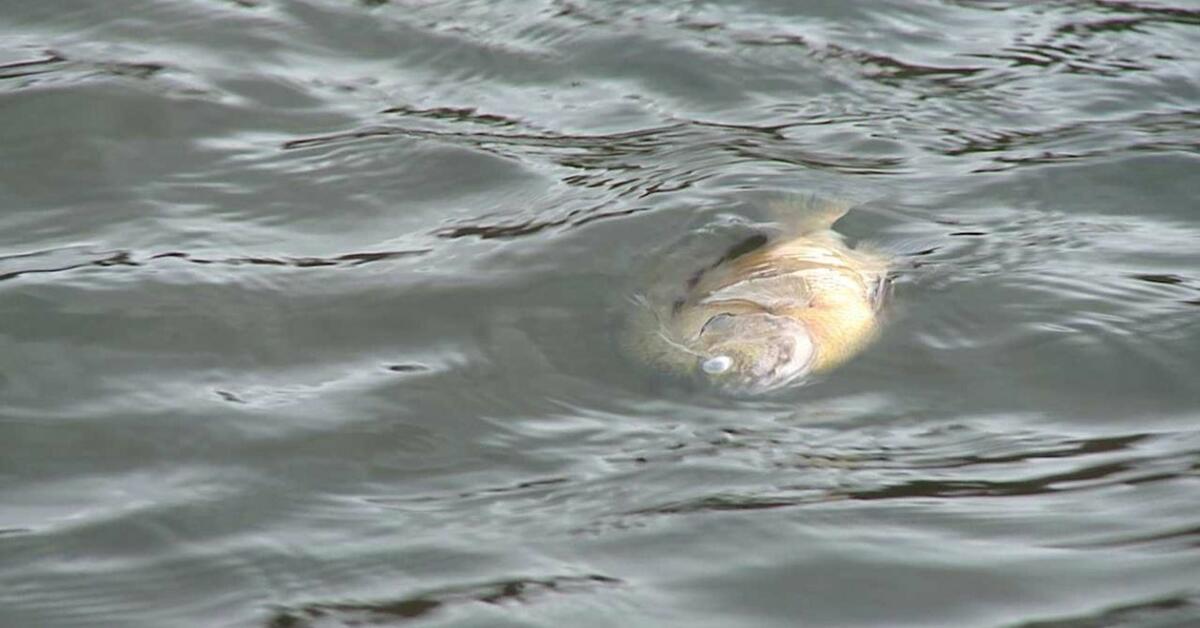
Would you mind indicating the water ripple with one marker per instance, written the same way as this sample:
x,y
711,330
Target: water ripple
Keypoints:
x,y
512,591
73,258
308,307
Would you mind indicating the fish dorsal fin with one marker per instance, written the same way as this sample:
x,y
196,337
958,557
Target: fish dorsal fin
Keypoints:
x,y
805,214
773,292
745,247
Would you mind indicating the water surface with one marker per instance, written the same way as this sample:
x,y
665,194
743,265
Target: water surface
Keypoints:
x,y
308,314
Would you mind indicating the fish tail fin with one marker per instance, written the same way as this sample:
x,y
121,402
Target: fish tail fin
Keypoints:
x,y
807,213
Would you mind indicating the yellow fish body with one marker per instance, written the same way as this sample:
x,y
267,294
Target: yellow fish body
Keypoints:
x,y
761,319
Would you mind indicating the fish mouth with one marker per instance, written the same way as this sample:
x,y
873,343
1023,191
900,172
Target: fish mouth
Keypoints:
x,y
798,356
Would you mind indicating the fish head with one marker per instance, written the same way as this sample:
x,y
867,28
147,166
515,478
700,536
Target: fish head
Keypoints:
x,y
753,352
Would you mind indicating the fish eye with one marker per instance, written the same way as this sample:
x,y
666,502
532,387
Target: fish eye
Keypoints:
x,y
717,365
717,323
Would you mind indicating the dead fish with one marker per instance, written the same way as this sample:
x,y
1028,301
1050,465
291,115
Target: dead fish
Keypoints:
x,y
770,312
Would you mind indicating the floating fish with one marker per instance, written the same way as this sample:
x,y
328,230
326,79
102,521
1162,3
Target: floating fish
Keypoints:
x,y
771,311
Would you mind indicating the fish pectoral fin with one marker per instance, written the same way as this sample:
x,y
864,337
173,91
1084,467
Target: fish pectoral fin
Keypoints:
x,y
880,292
773,293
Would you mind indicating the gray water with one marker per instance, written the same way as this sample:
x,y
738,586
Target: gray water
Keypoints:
x,y
308,313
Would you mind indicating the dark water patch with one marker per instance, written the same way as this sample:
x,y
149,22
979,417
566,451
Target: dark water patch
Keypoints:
x,y
346,259
498,231
1170,280
519,487
878,67
1156,132
1082,479
1176,610
729,503
1146,11
230,397
407,368
403,610
573,218
922,253
923,457
18,69
1067,58
38,262
522,488
14,266
814,475
337,138
1180,539
57,68
454,115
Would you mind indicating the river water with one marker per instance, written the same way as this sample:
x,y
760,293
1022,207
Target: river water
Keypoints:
x,y
308,314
